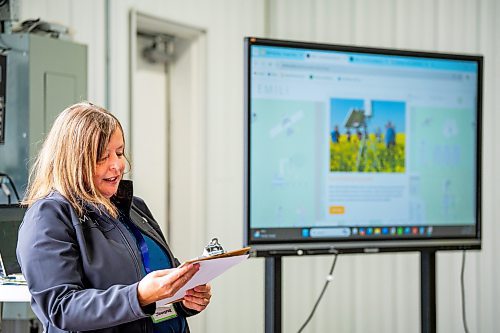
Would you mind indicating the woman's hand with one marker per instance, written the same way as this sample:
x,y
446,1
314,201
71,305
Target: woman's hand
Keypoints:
x,y
164,283
198,297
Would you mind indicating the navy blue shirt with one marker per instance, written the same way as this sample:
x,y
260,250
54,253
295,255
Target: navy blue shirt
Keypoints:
x,y
158,259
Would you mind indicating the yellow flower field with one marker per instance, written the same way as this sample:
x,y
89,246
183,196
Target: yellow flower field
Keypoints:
x,y
375,157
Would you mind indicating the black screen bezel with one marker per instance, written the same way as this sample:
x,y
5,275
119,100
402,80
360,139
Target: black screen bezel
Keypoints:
x,y
274,247
10,213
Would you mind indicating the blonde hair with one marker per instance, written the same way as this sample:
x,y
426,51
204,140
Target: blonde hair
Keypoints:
x,y
68,158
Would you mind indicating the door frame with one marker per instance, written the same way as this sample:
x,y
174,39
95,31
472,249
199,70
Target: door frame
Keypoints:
x,y
188,215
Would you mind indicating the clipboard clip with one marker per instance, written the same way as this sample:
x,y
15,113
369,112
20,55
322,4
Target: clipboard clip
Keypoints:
x,y
213,248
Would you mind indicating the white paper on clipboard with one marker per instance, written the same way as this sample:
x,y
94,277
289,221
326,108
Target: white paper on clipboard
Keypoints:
x,y
209,269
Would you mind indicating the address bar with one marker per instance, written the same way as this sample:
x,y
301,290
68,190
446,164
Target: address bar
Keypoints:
x,y
423,74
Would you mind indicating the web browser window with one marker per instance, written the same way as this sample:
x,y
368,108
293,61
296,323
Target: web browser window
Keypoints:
x,y
351,145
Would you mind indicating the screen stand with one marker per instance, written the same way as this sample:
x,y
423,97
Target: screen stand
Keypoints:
x,y
428,291
273,294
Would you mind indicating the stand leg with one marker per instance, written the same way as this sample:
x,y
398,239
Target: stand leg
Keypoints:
x,y
273,295
428,291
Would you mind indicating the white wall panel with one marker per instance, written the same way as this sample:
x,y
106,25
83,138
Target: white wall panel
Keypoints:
x,y
490,261
93,35
457,25
406,36
488,272
449,26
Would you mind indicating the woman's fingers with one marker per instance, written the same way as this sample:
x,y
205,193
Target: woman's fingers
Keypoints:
x,y
176,280
198,298
174,273
164,283
182,275
193,305
203,288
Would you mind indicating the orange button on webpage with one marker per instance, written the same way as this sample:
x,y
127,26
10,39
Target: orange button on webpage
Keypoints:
x,y
335,210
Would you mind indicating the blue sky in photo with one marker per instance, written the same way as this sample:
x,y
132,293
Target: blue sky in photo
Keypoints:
x,y
382,112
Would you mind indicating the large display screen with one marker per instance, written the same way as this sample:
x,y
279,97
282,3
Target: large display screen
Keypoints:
x,y
357,149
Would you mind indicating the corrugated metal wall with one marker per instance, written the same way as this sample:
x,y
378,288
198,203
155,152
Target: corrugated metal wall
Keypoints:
x,y
370,293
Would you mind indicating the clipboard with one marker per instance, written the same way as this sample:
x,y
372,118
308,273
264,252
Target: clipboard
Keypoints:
x,y
210,268
233,253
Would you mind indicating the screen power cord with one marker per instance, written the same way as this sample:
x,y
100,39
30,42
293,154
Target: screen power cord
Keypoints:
x,y
462,285
329,278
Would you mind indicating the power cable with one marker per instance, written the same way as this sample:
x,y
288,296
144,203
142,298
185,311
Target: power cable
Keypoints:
x,y
329,278
462,285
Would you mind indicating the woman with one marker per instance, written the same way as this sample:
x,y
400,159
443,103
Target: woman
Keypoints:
x,y
92,254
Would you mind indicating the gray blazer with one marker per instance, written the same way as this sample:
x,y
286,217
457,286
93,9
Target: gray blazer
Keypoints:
x,y
83,271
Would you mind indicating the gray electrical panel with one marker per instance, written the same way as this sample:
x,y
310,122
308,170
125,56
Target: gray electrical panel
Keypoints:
x,y
9,10
44,76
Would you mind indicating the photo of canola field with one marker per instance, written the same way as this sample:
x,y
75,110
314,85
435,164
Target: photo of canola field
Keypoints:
x,y
376,143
